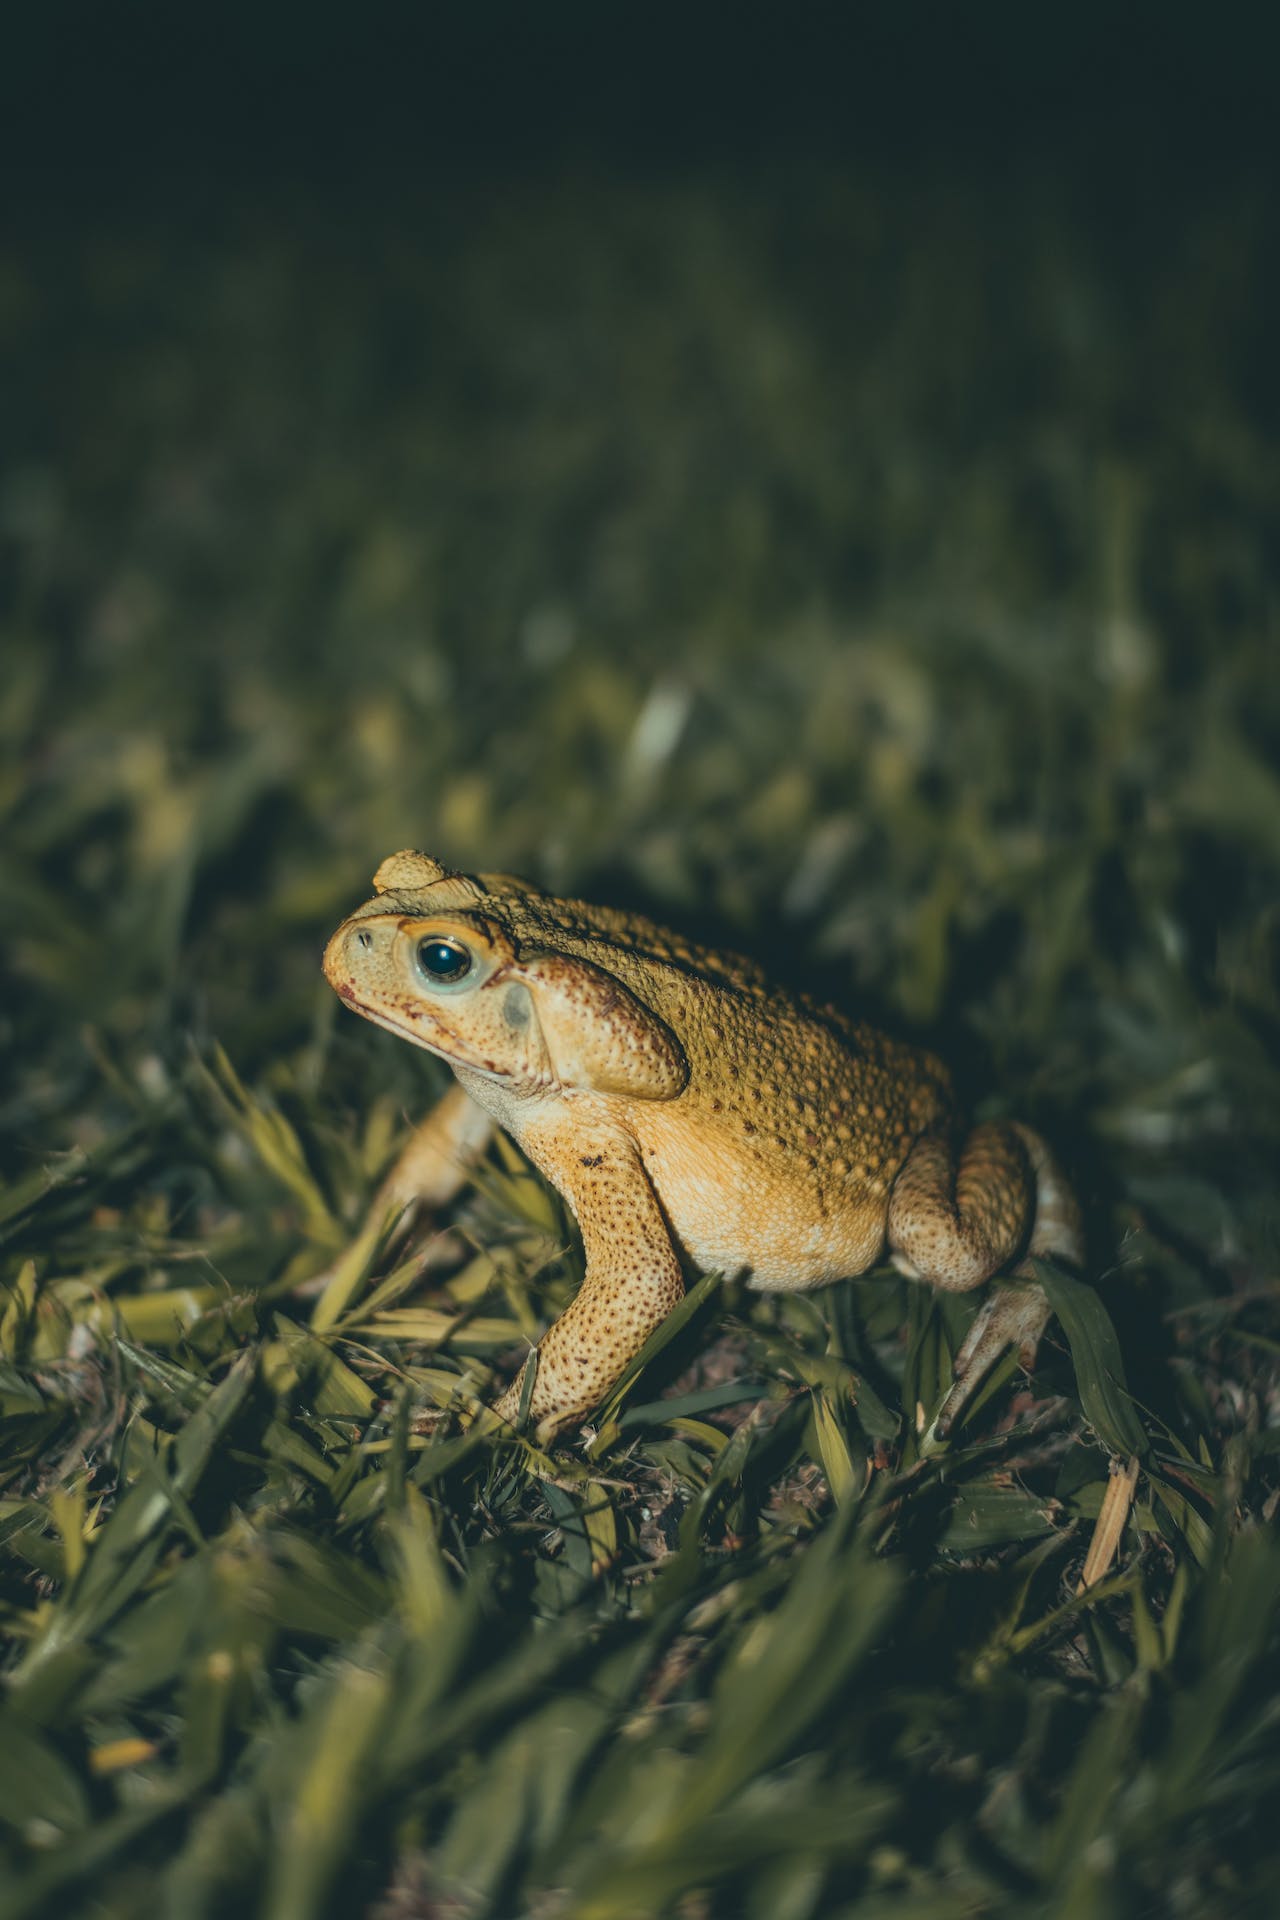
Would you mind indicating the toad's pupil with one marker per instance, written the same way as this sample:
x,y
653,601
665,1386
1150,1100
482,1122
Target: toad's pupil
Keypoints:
x,y
441,961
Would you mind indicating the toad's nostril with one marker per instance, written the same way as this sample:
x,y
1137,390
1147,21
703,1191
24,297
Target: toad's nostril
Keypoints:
x,y
364,940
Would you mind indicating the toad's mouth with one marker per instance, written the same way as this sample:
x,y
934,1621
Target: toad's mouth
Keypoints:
x,y
445,1044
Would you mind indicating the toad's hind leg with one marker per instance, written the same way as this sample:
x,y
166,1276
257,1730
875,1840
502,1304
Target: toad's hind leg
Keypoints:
x,y
956,1221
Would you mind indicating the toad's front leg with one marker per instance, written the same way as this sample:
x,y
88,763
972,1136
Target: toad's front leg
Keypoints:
x,y
431,1171
633,1280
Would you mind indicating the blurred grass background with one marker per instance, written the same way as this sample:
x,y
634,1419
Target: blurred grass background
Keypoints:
x,y
835,510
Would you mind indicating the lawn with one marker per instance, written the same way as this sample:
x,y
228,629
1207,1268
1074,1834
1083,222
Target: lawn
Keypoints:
x,y
872,572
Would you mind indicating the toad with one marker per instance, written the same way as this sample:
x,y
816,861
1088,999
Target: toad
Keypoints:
x,y
693,1115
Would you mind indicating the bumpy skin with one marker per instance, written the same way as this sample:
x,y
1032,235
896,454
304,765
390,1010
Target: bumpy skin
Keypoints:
x,y
691,1114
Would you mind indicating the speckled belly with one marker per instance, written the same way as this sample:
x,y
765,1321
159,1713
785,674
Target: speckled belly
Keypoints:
x,y
731,1211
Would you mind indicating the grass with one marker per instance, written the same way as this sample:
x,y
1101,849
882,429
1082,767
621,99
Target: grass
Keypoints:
x,y
873,576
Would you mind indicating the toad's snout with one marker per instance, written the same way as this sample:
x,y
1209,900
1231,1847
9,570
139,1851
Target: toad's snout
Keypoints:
x,y
342,957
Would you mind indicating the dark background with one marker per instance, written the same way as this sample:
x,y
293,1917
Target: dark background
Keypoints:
x,y
354,358
107,101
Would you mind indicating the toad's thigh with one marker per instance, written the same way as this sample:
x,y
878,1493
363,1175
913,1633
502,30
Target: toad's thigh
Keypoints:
x,y
958,1216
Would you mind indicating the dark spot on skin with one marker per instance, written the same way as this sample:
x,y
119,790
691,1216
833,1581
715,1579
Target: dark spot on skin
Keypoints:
x,y
592,1159
515,1007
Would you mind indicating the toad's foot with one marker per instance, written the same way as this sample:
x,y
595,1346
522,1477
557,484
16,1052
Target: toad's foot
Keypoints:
x,y
1013,1316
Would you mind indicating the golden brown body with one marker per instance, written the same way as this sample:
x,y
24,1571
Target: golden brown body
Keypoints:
x,y
689,1112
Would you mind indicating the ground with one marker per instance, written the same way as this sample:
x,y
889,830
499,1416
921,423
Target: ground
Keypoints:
x,y
866,570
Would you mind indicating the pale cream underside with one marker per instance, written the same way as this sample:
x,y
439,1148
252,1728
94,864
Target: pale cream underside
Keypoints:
x,y
730,1211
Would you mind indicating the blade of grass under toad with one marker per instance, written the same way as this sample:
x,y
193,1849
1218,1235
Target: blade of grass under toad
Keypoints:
x,y
347,1274
162,1319
846,1479
984,1516
701,1400
331,1386
426,1600
1095,1354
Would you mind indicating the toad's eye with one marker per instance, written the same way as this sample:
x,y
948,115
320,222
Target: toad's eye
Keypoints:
x,y
443,962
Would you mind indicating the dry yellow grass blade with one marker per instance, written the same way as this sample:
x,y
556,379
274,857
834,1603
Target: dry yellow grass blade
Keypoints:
x,y
429,1327
274,1142
1110,1524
